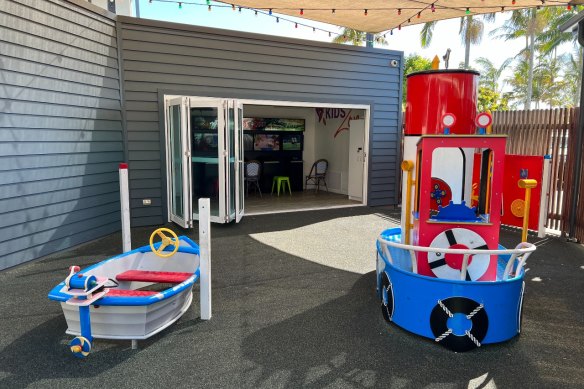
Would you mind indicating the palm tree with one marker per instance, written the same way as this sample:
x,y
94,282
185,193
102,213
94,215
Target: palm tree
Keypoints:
x,y
551,86
357,38
490,74
527,24
471,33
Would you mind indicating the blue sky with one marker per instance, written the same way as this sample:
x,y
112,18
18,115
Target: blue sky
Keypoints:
x,y
407,40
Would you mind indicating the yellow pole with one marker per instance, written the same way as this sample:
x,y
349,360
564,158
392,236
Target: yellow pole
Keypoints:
x,y
526,184
408,166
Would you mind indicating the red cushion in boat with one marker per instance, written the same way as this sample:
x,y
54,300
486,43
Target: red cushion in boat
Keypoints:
x,y
171,277
129,293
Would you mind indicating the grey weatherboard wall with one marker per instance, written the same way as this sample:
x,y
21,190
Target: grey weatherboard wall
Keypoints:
x,y
164,58
61,135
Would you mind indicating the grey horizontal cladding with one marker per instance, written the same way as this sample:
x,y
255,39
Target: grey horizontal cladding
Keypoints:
x,y
147,106
30,214
57,160
33,247
142,126
50,173
145,165
8,120
65,39
147,221
47,186
393,115
234,46
69,24
17,93
55,222
143,145
67,111
386,180
35,42
60,128
144,116
143,155
384,145
70,12
381,202
144,183
380,173
380,159
195,71
32,81
136,81
56,135
145,212
146,193
53,65
24,203
148,136
383,193
141,96
138,174
33,148
387,137
382,152
270,73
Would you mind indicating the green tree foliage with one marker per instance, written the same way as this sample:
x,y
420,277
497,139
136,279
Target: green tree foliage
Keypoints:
x,y
414,63
491,100
357,38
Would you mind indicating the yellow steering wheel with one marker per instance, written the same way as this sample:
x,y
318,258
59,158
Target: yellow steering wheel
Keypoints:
x,y
166,241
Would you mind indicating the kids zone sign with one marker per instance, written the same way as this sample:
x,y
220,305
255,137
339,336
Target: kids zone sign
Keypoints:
x,y
340,118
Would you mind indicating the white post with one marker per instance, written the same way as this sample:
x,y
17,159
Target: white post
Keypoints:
x,y
125,204
545,195
205,257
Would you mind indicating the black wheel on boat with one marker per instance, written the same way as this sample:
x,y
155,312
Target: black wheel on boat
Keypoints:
x,y
459,323
386,297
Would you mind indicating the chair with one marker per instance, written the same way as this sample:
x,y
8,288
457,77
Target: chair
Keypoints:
x,y
317,174
253,171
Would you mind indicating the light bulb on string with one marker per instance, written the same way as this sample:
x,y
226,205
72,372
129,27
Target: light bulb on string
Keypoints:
x,y
391,32
295,25
209,8
239,9
313,29
569,7
399,11
419,15
365,13
329,34
277,20
301,11
179,5
399,27
334,10
467,11
502,9
433,8
270,12
513,2
233,7
256,12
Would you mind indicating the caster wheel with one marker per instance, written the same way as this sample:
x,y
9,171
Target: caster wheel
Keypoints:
x,y
80,346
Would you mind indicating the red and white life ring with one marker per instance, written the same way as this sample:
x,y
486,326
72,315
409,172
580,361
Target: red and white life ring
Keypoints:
x,y
459,238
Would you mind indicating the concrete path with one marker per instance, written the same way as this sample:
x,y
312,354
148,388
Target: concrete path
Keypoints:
x,y
294,306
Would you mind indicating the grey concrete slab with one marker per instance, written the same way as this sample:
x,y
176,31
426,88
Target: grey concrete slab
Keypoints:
x,y
284,321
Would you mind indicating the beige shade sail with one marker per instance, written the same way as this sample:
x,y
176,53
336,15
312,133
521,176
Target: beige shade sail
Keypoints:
x,y
382,15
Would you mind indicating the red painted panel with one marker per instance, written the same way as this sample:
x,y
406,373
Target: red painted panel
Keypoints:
x,y
513,166
431,94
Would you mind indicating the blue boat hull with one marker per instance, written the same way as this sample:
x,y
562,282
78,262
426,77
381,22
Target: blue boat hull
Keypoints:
x,y
475,312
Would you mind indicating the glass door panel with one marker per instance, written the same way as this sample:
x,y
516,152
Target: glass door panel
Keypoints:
x,y
207,155
239,181
178,197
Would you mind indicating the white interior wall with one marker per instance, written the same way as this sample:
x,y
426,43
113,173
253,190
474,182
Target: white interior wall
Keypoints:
x,y
332,143
308,114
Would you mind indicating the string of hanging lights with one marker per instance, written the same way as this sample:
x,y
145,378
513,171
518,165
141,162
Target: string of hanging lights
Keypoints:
x,y
417,11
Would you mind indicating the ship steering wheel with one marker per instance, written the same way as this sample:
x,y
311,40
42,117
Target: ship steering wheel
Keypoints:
x,y
166,241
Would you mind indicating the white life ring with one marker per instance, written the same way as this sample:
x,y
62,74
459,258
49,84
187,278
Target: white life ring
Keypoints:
x,y
478,263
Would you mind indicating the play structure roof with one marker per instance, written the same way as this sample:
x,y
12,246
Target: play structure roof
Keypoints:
x,y
382,15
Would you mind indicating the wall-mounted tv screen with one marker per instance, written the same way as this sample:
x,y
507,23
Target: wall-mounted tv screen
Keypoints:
x,y
205,141
266,142
271,124
292,142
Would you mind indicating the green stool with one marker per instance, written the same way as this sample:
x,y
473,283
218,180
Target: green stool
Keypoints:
x,y
281,182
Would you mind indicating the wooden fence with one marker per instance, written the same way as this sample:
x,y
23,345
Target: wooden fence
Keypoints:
x,y
541,132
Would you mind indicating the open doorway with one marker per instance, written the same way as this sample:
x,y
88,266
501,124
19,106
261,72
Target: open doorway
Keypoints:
x,y
307,134
255,157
